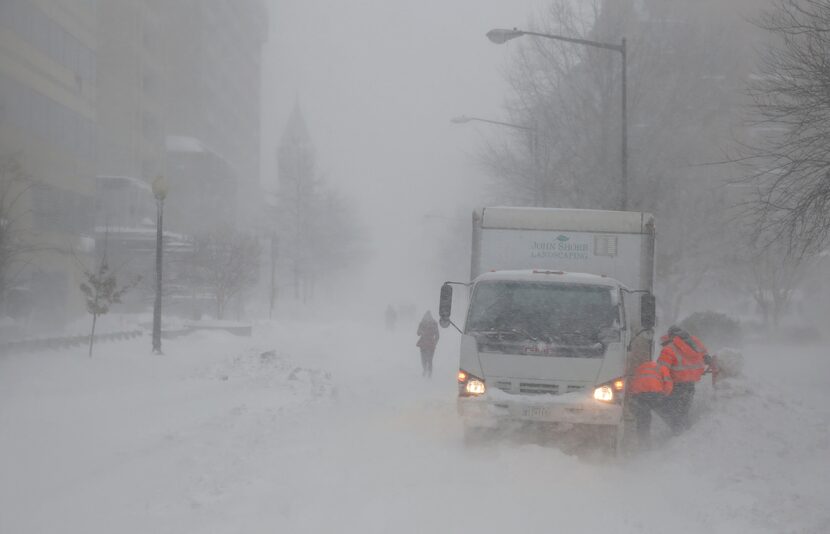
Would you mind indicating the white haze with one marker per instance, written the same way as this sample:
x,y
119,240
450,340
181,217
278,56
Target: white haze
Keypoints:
x,y
378,82
320,420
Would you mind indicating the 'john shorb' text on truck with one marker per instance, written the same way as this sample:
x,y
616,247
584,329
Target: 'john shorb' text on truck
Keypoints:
x,y
559,304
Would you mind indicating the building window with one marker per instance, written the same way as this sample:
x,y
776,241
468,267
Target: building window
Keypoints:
x,y
45,34
43,117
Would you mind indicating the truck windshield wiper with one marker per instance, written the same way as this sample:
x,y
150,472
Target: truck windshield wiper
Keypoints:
x,y
561,337
593,337
506,331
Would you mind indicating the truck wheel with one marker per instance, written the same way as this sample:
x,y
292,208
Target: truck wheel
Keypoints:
x,y
477,436
614,441
608,440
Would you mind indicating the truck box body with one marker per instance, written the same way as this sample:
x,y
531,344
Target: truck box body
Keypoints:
x,y
617,244
551,312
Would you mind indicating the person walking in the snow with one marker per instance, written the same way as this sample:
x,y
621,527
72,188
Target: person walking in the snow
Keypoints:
x,y
686,358
427,341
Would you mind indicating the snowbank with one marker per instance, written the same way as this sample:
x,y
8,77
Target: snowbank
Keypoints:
x,y
311,427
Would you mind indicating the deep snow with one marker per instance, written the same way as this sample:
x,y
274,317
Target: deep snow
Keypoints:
x,y
311,428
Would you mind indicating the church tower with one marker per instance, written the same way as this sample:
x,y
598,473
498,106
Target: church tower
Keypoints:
x,y
297,183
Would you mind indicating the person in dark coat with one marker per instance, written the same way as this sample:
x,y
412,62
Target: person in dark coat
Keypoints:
x,y
427,341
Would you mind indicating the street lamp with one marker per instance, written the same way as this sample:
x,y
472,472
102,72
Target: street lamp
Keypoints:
x,y
160,189
501,36
534,145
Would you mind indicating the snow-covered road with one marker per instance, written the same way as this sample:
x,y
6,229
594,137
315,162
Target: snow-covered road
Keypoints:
x,y
310,428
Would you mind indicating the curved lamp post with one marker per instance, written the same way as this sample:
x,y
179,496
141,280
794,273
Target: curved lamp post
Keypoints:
x,y
534,144
501,36
462,119
160,189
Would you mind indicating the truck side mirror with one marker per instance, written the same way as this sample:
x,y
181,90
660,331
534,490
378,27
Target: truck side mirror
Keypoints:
x,y
648,310
445,306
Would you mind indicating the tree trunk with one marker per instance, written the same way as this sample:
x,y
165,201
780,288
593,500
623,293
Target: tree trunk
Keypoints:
x,y
762,304
92,334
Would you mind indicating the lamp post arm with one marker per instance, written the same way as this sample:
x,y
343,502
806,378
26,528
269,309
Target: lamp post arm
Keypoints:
x,y
500,123
586,42
502,36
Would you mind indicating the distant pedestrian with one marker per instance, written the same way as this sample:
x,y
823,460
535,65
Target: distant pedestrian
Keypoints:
x,y
391,318
427,341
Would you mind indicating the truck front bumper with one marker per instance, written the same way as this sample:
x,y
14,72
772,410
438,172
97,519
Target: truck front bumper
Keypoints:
x,y
486,411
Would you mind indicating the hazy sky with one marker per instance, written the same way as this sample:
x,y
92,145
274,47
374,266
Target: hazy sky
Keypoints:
x,y
378,81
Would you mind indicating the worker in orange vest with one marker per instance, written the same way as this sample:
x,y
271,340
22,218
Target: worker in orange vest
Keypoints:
x,y
650,386
685,357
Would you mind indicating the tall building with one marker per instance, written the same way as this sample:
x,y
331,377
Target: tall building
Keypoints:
x,y
211,76
178,95
103,93
205,192
130,99
47,122
184,70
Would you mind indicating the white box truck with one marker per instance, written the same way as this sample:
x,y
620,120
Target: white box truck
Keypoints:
x,y
557,299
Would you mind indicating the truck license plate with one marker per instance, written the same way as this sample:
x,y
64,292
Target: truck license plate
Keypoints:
x,y
535,411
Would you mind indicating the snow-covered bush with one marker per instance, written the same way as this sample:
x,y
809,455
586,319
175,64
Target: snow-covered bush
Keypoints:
x,y
716,330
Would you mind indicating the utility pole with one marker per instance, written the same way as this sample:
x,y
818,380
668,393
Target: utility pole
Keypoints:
x,y
160,189
273,296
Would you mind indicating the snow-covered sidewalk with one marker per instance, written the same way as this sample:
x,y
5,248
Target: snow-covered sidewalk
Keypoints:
x,y
311,428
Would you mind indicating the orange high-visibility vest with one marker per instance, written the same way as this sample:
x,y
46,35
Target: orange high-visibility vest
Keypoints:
x,y
651,377
684,362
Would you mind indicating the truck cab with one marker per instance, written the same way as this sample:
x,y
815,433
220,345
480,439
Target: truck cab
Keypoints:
x,y
530,335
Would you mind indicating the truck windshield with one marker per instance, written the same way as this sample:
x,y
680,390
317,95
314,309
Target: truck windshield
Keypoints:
x,y
568,314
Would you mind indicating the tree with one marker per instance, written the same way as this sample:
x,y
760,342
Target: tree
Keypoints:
x,y
316,226
685,83
790,152
15,242
565,94
101,291
684,264
774,279
226,263
682,84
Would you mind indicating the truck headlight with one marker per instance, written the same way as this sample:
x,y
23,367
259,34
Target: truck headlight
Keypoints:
x,y
604,393
469,385
475,387
610,391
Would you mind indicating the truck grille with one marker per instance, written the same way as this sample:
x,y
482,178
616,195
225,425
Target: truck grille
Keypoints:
x,y
572,388
530,388
504,385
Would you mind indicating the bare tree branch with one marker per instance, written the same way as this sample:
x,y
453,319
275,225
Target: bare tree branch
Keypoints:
x,y
790,158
